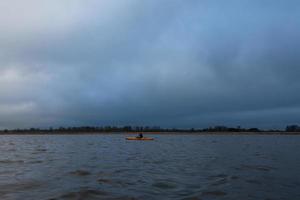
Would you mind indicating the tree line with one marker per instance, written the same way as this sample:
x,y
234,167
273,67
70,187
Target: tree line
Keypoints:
x,y
154,129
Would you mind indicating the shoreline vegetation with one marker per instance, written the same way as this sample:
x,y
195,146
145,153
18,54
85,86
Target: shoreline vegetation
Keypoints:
x,y
217,130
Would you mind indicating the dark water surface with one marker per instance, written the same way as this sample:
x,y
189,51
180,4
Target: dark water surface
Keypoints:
x,y
170,167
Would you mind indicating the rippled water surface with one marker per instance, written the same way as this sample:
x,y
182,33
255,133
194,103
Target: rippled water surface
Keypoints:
x,y
170,167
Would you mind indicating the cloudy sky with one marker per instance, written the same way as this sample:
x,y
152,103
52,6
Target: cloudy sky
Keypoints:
x,y
171,63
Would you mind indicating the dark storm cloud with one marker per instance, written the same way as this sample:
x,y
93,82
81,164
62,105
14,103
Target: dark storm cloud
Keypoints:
x,y
169,63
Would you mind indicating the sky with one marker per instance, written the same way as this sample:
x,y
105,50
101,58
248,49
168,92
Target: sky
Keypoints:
x,y
170,63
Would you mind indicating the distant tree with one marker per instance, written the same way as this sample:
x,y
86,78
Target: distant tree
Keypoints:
x,y
292,128
253,130
127,128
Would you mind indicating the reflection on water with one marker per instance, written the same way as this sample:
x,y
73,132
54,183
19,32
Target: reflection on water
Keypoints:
x,y
170,167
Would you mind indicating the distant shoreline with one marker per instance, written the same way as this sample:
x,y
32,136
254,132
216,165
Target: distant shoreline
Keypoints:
x,y
153,133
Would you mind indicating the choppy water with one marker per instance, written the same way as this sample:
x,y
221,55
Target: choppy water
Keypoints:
x,y
171,167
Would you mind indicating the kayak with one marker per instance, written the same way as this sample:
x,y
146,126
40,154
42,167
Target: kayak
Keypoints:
x,y
136,138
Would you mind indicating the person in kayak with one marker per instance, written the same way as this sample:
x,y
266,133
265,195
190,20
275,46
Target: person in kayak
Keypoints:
x,y
140,135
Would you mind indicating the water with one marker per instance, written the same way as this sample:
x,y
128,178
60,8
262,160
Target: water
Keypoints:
x,y
170,167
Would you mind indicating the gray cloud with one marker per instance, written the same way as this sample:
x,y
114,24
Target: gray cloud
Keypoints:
x,y
172,63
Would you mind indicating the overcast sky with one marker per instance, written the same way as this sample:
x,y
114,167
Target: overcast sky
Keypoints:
x,y
171,63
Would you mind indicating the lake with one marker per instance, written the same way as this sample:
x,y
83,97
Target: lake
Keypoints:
x,y
181,166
